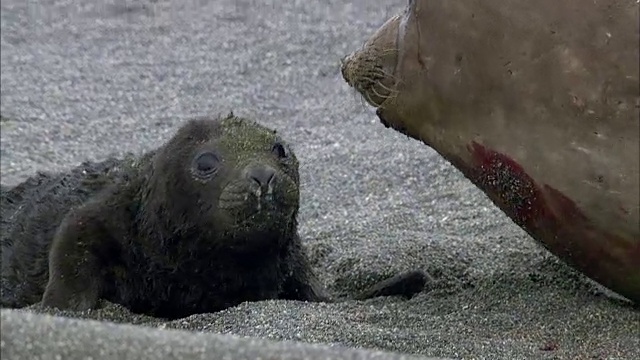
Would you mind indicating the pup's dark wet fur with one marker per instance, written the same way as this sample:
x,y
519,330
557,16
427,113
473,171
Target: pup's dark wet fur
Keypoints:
x,y
205,222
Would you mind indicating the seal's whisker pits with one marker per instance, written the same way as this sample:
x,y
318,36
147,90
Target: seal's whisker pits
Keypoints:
x,y
378,72
375,83
370,100
385,51
373,90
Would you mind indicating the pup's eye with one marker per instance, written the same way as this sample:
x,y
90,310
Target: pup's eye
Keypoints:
x,y
280,150
207,163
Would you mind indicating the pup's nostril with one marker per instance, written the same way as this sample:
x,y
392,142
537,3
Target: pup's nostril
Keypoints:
x,y
262,175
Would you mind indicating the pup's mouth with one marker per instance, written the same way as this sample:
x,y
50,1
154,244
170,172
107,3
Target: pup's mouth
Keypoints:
x,y
253,208
260,199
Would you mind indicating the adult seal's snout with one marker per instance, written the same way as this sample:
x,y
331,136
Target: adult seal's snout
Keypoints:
x,y
261,178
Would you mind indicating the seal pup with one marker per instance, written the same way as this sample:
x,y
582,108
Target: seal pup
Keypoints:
x,y
204,222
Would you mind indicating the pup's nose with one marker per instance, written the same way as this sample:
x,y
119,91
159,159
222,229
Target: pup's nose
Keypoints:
x,y
263,176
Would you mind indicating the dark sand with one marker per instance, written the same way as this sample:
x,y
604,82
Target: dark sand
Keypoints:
x,y
86,81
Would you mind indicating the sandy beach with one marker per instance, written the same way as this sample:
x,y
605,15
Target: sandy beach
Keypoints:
x,y
108,77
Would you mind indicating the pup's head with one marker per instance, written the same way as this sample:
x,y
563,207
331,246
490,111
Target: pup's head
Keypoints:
x,y
225,178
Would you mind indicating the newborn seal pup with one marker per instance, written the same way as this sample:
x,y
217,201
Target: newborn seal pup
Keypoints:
x,y
205,222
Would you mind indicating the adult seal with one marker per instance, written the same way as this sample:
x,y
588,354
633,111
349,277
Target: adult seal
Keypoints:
x,y
204,222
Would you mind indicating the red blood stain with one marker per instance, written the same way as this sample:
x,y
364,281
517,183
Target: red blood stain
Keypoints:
x,y
552,218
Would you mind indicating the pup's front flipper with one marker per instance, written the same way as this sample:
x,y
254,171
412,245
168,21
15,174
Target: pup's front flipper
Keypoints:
x,y
75,281
302,283
405,284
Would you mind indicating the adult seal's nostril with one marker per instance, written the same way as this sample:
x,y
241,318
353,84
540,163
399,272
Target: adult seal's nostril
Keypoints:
x,y
262,178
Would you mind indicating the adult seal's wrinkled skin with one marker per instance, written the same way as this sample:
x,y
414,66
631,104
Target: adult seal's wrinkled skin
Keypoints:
x,y
205,222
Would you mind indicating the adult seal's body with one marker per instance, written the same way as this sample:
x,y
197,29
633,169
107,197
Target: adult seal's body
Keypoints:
x,y
205,222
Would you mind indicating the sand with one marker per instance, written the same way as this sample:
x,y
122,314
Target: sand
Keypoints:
x,y
106,77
